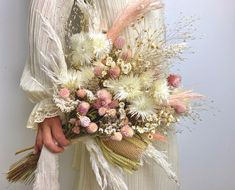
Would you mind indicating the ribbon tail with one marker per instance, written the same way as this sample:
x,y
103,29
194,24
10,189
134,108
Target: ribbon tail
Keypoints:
x,y
47,173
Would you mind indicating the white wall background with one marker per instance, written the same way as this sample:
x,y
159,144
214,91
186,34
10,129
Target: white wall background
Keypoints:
x,y
207,154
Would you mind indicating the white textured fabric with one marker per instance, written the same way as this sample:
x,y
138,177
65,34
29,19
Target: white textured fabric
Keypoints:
x,y
34,81
47,173
37,85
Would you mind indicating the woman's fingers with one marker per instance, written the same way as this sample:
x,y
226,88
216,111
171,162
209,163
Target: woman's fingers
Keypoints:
x,y
48,140
58,134
38,141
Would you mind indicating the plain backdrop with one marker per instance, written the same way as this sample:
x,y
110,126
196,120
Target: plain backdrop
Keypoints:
x,y
207,154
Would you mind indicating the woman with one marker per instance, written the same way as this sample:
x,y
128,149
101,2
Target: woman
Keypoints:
x,y
45,116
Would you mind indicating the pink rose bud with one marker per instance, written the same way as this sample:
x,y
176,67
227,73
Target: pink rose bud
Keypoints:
x,y
112,112
119,42
83,108
127,131
104,94
76,130
116,137
98,71
114,72
92,128
72,121
174,80
81,93
64,92
85,121
126,56
102,111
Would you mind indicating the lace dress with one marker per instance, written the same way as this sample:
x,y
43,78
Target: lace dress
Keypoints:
x,y
36,84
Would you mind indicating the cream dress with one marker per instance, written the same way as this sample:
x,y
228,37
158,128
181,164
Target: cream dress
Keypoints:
x,y
36,84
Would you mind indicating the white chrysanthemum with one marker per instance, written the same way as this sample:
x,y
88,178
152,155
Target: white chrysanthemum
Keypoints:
x,y
142,107
161,91
101,44
127,87
82,49
71,80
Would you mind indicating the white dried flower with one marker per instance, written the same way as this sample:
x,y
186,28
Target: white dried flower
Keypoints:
x,y
66,105
126,68
71,80
101,44
142,107
161,91
82,49
126,87
90,95
120,61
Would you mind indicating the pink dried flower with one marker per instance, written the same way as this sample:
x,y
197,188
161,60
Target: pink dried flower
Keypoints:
x,y
114,72
98,71
127,131
78,123
117,136
72,121
81,93
97,104
92,128
119,42
174,80
112,112
180,108
83,108
102,111
64,92
178,105
85,121
76,130
113,104
104,95
126,56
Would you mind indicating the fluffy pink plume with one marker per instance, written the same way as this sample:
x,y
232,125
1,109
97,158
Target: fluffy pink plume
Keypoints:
x,y
130,14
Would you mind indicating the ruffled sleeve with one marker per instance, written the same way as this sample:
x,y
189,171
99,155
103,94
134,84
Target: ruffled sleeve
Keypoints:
x,y
34,81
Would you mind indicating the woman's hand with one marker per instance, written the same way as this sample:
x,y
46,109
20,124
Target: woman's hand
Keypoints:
x,y
51,135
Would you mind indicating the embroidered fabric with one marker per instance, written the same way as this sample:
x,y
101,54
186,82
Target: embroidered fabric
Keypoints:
x,y
42,110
